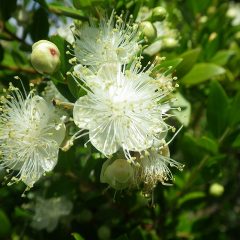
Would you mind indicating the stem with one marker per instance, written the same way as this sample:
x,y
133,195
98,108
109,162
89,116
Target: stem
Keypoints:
x,y
18,69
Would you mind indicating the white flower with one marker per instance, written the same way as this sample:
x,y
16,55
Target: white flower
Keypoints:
x,y
49,211
155,167
30,136
112,41
121,108
234,13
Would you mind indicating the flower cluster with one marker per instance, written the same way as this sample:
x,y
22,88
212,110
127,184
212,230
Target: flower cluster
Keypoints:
x,y
123,111
31,134
125,107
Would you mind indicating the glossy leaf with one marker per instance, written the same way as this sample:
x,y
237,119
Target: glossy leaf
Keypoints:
x,y
191,196
5,225
222,57
77,236
236,142
65,11
202,72
217,109
189,59
208,144
234,113
167,66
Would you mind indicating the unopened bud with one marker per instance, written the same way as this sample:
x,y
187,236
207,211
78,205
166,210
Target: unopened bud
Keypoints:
x,y
45,57
169,42
118,174
104,232
159,14
148,30
216,189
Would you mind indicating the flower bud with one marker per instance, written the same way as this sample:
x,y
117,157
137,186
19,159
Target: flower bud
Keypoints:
x,y
159,14
45,57
169,42
148,30
118,174
104,232
216,189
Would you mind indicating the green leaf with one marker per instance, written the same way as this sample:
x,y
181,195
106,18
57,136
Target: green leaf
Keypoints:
x,y
22,213
1,53
191,196
138,233
189,59
202,72
65,11
74,87
234,113
208,144
82,3
236,142
168,66
222,57
190,148
40,26
217,109
5,225
77,236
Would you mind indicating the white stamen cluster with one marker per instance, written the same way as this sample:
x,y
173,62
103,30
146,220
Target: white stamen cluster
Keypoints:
x,y
155,167
121,109
30,136
112,41
125,106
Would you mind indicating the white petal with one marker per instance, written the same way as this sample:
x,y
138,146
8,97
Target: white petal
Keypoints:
x,y
31,171
104,139
48,158
39,109
56,134
108,74
83,114
135,137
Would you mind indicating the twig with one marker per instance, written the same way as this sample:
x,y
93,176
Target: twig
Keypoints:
x,y
18,69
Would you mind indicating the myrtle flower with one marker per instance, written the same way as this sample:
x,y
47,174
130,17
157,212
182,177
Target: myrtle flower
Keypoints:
x,y
122,108
49,211
233,12
112,41
30,136
154,167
